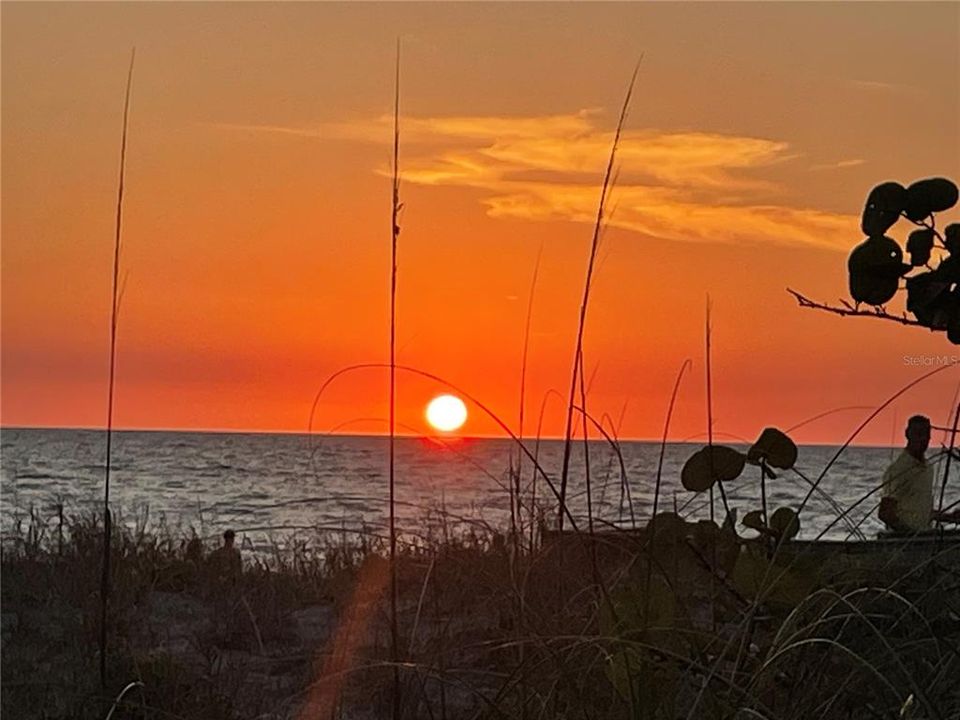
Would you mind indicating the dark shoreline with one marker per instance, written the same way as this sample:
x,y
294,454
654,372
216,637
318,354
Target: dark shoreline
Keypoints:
x,y
489,627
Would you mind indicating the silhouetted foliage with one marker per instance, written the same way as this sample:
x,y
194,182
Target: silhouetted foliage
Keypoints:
x,y
711,464
775,448
718,464
785,523
876,265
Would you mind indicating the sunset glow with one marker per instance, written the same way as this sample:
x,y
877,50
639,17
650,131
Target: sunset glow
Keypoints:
x,y
256,244
446,413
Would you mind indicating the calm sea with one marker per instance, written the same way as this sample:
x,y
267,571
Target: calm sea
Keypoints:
x,y
271,487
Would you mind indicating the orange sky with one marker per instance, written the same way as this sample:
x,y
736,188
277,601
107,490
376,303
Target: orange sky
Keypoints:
x,y
256,241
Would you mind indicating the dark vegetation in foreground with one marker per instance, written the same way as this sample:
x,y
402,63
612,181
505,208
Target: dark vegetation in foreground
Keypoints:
x,y
708,625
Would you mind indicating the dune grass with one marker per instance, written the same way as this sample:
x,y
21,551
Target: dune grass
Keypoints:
x,y
683,632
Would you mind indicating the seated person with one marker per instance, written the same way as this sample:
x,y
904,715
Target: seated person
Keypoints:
x,y
224,563
907,502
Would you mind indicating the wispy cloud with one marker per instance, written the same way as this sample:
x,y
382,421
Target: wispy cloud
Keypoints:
x,y
839,165
880,86
875,85
312,132
657,213
682,186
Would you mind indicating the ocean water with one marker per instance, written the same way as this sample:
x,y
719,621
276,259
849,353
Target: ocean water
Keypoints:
x,y
272,487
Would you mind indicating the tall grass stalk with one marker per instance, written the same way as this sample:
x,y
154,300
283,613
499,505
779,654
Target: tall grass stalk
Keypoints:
x,y
523,380
116,703
594,243
659,480
946,469
517,532
709,370
114,308
394,237
614,444
713,558
586,461
536,457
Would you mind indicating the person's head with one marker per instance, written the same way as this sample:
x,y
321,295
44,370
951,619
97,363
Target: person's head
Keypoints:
x,y
228,537
918,435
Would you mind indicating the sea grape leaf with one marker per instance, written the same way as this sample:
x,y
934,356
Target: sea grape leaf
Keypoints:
x,y
883,207
948,270
730,520
667,528
919,246
874,268
928,298
775,448
951,238
872,289
716,544
785,523
754,521
711,464
928,196
953,329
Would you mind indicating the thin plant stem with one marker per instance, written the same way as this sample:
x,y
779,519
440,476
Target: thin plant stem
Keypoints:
x,y
946,468
666,432
827,413
523,379
586,458
763,496
656,487
709,369
513,484
713,558
394,237
850,310
614,444
597,227
105,577
536,458
518,542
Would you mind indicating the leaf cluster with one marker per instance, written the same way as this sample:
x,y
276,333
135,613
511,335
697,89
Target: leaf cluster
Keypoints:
x,y
876,266
716,464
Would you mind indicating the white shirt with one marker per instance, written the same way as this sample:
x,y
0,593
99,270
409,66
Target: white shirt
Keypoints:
x,y
910,482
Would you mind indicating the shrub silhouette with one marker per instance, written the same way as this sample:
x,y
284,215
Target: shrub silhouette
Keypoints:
x,y
876,266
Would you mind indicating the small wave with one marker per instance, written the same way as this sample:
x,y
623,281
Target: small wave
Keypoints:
x,y
42,476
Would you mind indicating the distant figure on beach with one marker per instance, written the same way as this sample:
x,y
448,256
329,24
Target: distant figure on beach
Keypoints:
x,y
225,563
193,559
193,552
907,502
183,571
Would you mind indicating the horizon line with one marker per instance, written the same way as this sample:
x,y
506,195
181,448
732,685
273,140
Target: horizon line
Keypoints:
x,y
411,436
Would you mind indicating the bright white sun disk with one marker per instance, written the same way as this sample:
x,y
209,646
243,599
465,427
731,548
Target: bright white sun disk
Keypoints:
x,y
446,413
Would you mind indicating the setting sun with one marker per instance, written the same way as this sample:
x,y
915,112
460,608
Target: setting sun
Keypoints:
x,y
446,413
